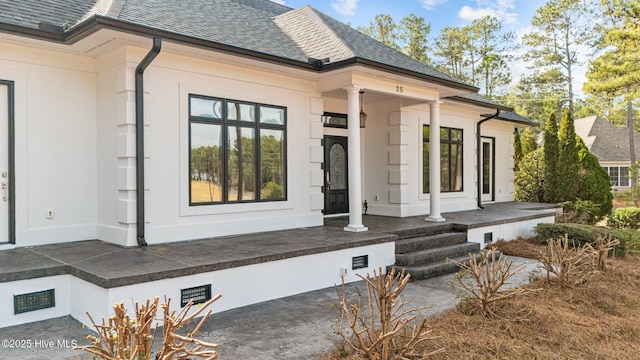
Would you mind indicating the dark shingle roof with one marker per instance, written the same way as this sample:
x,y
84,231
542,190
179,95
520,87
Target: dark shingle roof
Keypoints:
x,y
260,26
605,140
480,100
516,118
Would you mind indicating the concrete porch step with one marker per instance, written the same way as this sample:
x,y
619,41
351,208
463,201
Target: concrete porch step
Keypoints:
x,y
436,254
429,242
433,269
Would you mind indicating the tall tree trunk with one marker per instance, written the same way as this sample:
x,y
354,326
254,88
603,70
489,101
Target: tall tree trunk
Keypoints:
x,y
632,150
569,75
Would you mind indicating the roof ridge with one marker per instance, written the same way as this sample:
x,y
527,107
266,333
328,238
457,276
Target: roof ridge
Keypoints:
x,y
326,36
108,8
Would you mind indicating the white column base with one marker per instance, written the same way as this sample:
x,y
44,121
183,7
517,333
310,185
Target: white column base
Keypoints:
x,y
356,228
435,219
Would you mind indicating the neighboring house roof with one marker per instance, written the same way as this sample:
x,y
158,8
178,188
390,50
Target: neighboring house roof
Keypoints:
x,y
260,26
605,140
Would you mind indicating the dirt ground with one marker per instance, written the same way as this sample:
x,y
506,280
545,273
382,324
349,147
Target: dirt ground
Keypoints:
x,y
599,319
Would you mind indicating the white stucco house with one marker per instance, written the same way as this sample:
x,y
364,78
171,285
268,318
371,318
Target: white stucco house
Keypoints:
x,y
149,122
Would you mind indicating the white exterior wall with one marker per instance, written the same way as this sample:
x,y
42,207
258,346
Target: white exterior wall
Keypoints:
x,y
502,132
394,173
55,143
168,82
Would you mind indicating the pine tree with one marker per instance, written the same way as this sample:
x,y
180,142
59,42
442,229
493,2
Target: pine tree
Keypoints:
x,y
568,160
551,156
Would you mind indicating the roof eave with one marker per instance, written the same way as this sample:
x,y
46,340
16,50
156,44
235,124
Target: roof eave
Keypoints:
x,y
481,104
97,22
389,68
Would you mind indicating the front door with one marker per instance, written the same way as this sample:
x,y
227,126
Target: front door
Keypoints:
x,y
336,185
6,112
488,169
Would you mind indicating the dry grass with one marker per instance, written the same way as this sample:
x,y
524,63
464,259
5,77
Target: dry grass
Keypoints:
x,y
519,247
598,319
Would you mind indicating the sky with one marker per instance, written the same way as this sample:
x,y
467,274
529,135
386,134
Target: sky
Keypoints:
x,y
515,15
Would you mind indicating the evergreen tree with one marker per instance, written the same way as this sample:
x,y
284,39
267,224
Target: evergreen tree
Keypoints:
x,y
560,27
593,182
414,31
530,179
383,29
568,160
517,149
528,141
551,157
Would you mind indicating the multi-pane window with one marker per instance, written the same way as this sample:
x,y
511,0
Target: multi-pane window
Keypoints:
x,y
237,151
450,159
619,175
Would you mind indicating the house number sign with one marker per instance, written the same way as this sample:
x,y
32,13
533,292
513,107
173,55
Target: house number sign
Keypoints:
x,y
399,89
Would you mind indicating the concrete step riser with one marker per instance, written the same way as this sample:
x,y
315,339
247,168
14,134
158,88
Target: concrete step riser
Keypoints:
x,y
436,254
429,242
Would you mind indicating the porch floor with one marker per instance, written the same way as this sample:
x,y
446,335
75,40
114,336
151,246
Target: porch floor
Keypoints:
x,y
108,265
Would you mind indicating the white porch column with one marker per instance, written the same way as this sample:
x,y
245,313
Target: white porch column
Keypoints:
x,y
354,160
434,161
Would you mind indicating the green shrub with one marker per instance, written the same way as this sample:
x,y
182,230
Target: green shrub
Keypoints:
x,y
593,182
631,238
580,234
529,180
625,218
580,211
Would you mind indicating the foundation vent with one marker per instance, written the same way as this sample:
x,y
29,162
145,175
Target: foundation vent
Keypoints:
x,y
198,294
359,262
488,238
34,301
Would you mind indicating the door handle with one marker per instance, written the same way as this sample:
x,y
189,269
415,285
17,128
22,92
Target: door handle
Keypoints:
x,y
328,180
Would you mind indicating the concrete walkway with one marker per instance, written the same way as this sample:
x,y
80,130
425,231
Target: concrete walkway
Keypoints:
x,y
296,327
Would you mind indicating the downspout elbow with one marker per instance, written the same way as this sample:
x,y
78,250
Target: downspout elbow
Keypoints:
x,y
479,154
140,185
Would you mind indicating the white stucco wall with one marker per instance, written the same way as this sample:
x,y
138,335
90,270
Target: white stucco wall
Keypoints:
x,y
502,132
55,135
168,82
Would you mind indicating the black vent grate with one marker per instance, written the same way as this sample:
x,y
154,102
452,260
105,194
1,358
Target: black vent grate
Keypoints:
x,y
360,262
199,295
34,301
488,238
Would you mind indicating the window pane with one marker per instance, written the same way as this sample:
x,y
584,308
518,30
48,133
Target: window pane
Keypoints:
x,y
613,174
271,115
425,133
624,176
272,176
456,134
239,111
241,184
444,168
209,108
205,166
486,167
425,167
456,167
444,134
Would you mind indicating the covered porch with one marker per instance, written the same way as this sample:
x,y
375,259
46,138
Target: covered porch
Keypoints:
x,y
92,275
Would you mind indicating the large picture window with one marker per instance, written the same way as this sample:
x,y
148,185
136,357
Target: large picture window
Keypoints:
x,y
450,159
619,175
237,151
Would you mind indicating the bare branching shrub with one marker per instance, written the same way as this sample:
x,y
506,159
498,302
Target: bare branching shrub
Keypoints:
x,y
570,264
600,250
126,338
487,277
379,327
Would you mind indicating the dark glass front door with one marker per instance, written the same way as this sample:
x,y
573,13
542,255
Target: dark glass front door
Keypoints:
x,y
336,182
